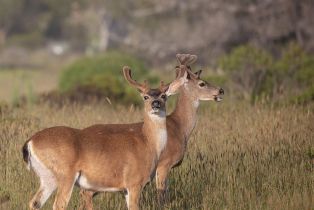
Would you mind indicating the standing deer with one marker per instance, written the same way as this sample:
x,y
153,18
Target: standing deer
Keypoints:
x,y
97,160
180,124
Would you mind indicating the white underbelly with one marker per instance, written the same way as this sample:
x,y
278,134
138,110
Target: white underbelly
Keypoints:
x,y
85,184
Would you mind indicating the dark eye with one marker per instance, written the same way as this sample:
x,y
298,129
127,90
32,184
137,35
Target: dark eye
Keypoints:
x,y
146,97
202,84
163,96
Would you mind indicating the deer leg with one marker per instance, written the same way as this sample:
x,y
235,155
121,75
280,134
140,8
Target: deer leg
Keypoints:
x,y
161,184
48,183
86,200
133,197
65,187
47,186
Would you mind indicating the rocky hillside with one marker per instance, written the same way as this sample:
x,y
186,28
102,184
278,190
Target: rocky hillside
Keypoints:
x,y
156,30
210,28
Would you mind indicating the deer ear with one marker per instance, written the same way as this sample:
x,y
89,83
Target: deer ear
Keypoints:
x,y
176,84
198,73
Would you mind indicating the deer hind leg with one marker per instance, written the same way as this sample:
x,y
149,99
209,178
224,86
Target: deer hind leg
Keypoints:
x,y
161,184
132,197
47,183
65,187
86,200
43,193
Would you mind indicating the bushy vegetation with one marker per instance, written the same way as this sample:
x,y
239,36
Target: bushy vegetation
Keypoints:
x,y
102,75
247,157
257,74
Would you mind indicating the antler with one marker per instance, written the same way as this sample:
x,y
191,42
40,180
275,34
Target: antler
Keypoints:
x,y
186,59
162,86
127,75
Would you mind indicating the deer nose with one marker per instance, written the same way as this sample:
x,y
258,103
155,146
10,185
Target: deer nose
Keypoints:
x,y
156,104
221,91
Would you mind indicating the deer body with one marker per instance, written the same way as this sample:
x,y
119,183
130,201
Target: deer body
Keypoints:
x,y
98,160
180,124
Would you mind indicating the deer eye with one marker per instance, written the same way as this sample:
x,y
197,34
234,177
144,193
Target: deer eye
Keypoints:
x,y
202,84
163,96
146,97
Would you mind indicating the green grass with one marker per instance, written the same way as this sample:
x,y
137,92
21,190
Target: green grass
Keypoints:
x,y
239,157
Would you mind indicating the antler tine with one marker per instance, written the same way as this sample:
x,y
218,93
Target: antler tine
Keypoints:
x,y
181,70
162,86
182,58
188,70
186,59
178,56
191,60
128,77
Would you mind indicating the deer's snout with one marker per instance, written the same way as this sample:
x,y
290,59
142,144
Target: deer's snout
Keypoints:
x,y
156,104
221,91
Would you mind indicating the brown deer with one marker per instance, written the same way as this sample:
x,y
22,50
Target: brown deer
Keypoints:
x,y
97,160
180,124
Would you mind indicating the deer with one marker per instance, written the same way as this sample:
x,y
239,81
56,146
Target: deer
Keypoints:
x,y
97,160
180,124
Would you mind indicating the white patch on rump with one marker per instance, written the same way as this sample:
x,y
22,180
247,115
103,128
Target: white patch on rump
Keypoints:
x,y
48,181
84,183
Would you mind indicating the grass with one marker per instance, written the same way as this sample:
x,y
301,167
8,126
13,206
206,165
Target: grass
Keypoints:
x,y
239,157
15,83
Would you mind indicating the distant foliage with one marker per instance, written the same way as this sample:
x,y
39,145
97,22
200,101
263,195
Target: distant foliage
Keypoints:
x,y
247,67
102,74
257,74
216,79
295,73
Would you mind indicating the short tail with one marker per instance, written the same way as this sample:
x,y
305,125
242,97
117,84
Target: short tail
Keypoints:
x,y
26,154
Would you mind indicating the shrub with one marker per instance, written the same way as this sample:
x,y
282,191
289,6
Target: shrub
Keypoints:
x,y
294,74
214,79
103,73
256,74
247,66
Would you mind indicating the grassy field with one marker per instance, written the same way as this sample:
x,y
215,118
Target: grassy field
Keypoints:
x,y
239,157
15,83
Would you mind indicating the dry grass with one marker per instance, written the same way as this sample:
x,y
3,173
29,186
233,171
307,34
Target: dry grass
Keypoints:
x,y
239,157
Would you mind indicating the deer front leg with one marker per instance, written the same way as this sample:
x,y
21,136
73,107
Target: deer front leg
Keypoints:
x,y
132,197
86,200
161,184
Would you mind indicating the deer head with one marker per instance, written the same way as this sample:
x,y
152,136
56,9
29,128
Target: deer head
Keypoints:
x,y
155,98
198,88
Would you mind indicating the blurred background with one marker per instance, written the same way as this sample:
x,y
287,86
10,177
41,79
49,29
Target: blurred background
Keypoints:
x,y
61,64
74,50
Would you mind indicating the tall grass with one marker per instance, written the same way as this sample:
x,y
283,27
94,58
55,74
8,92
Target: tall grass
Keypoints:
x,y
239,157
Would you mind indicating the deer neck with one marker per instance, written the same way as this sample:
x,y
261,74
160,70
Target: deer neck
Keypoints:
x,y
155,130
185,112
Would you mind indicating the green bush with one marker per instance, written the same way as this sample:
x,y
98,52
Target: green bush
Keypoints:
x,y
294,73
256,74
103,73
219,80
245,56
247,66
